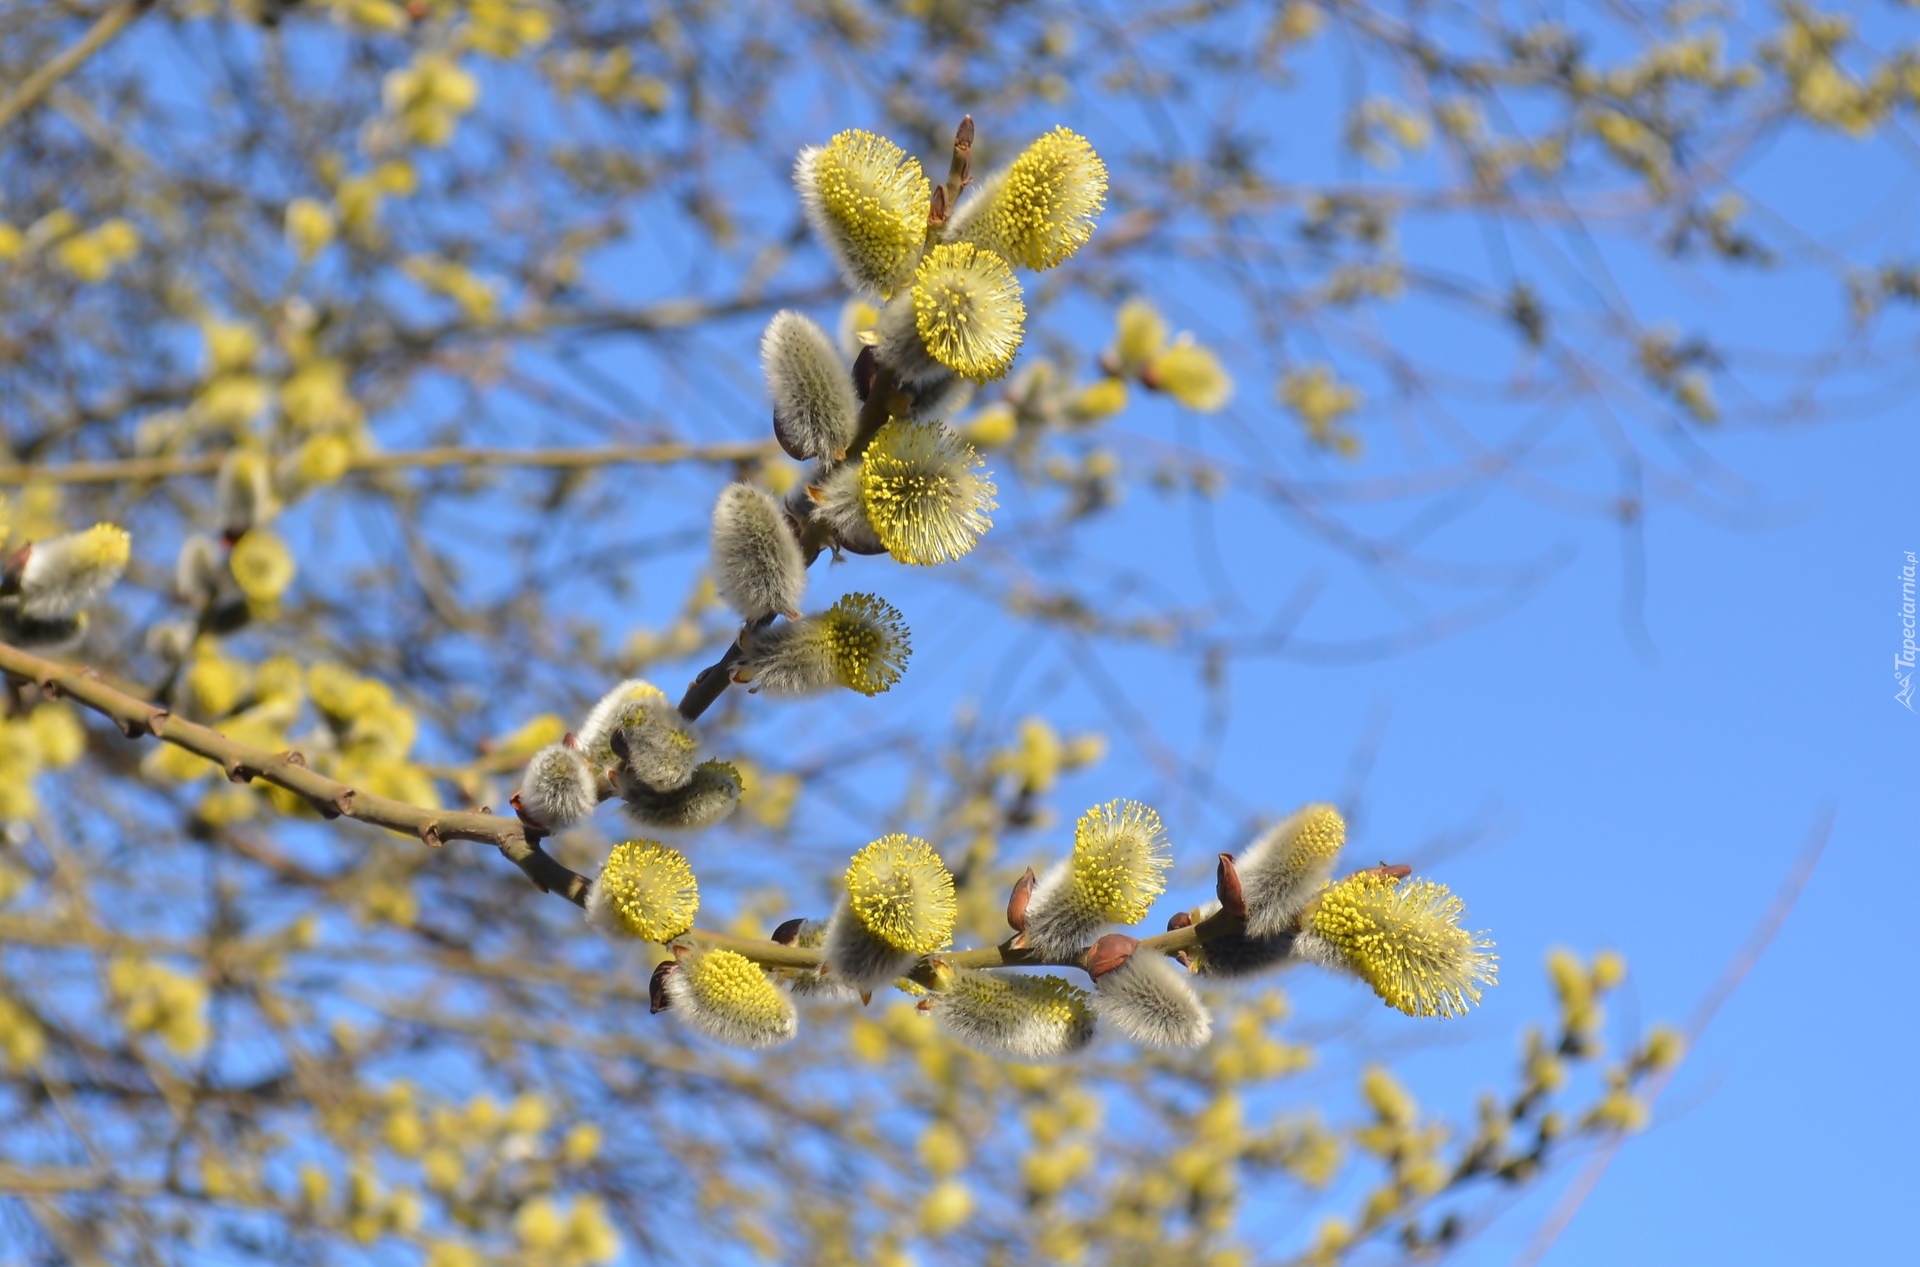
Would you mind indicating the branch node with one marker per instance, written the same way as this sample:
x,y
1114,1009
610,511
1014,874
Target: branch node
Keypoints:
x,y
238,771
430,834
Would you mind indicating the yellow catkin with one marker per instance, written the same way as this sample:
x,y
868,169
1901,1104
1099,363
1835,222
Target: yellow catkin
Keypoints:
x,y
924,493
1404,939
1193,376
651,889
903,894
867,642
1120,860
732,986
1042,209
102,547
868,200
968,310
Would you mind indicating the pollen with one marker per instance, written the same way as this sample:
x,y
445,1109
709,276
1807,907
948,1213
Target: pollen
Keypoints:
x,y
732,988
902,894
103,546
867,200
1403,938
650,890
867,642
924,493
1043,208
1120,860
967,308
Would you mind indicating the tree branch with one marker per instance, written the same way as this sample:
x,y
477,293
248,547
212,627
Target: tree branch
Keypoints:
x,y
130,469
36,85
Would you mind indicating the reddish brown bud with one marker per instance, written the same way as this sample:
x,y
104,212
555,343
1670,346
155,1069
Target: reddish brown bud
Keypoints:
x,y
963,135
866,366
1109,953
789,932
1017,902
937,206
1179,919
1391,870
657,1001
1226,887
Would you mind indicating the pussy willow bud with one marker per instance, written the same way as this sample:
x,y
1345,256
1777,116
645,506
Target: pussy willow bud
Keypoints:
x,y
815,413
1290,862
866,201
595,735
757,566
558,789
963,316
243,492
1117,868
1140,336
1041,209
860,643
1019,899
63,574
1226,887
644,890
1403,938
900,905
658,1000
653,746
727,997
1028,1018
1147,998
709,796
924,493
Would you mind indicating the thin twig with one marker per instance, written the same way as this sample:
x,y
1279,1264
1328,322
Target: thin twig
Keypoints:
x,y
36,85
132,469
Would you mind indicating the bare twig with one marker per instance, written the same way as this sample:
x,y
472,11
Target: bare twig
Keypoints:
x,y
36,85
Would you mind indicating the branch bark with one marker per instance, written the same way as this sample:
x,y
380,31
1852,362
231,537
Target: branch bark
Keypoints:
x,y
71,58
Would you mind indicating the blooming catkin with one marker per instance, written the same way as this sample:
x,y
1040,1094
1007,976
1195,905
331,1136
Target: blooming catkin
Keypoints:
x,y
1282,871
860,643
1041,208
815,411
867,201
900,905
558,788
924,493
1403,938
757,565
63,574
1028,1018
1193,376
727,997
1147,998
709,796
1117,868
644,890
963,316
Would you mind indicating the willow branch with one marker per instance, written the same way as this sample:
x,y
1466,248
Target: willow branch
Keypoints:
x,y
333,799
243,763
159,468
36,85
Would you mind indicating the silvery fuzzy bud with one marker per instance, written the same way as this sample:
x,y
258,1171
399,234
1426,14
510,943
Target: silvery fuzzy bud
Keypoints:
x,y
841,505
594,737
243,493
1028,1018
558,789
709,796
1283,870
1146,996
63,633
653,745
757,565
815,413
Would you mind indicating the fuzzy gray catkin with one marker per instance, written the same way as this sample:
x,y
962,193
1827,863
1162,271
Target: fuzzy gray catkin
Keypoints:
x,y
757,565
1147,998
839,504
815,411
709,796
660,749
1028,1018
558,788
